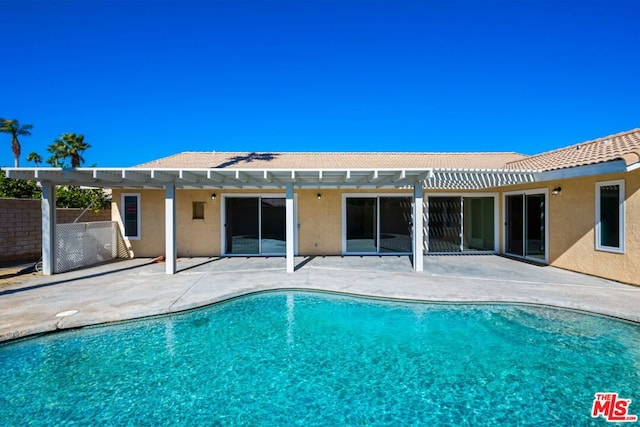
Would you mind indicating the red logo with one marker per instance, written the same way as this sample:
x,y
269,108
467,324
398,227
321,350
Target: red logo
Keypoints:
x,y
612,408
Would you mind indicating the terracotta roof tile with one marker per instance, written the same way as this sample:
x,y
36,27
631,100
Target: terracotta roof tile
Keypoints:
x,y
273,160
624,145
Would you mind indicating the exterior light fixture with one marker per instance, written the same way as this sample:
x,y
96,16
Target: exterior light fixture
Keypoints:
x,y
556,191
213,196
319,196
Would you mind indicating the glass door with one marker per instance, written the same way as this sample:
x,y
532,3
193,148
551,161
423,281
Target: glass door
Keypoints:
x,y
445,224
255,226
535,226
478,229
526,225
362,225
395,224
242,227
378,225
515,225
273,234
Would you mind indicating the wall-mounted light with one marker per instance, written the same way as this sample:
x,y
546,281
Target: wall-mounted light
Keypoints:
x,y
319,196
556,191
213,196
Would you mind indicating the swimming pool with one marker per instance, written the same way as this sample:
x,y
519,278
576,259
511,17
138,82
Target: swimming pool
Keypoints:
x,y
283,358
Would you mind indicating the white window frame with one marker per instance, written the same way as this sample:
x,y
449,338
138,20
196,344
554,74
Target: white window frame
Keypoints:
x,y
139,216
621,219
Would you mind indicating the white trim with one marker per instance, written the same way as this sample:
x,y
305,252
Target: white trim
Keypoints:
x,y
633,166
49,243
223,220
139,215
462,195
170,237
290,220
621,219
613,166
418,224
545,192
370,196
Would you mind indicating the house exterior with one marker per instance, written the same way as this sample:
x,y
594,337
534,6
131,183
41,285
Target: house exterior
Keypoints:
x,y
576,208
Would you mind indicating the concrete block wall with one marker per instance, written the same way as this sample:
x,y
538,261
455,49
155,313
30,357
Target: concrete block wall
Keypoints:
x,y
21,228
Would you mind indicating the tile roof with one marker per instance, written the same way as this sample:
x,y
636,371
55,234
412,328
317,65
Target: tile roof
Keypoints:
x,y
273,160
624,146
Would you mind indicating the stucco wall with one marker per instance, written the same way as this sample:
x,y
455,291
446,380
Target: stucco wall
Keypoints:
x,y
572,221
319,221
197,237
571,242
151,243
572,229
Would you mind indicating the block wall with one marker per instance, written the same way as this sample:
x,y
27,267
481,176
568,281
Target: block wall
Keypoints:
x,y
21,228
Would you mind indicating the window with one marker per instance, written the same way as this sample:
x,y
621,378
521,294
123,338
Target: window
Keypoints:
x,y
610,216
131,215
198,210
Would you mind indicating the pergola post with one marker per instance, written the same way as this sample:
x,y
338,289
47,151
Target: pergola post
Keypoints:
x,y
171,251
290,229
49,242
418,254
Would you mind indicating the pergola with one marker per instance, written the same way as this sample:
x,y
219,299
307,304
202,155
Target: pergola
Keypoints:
x,y
171,179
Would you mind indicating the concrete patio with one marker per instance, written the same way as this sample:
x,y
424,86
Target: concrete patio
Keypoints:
x,y
137,288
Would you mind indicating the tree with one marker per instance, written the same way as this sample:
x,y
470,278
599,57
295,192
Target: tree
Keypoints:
x,y
14,128
35,158
67,146
58,154
72,196
18,188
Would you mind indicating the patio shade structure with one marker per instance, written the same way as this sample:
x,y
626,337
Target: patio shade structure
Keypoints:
x,y
171,179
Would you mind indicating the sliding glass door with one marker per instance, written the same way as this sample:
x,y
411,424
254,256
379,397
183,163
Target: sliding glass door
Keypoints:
x,y
515,225
362,225
461,224
255,226
525,222
445,224
395,224
377,225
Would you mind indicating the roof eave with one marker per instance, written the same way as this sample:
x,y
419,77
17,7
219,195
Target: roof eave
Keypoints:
x,y
603,168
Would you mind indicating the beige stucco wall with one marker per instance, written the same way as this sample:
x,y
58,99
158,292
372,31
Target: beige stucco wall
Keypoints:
x,y
572,221
571,242
194,237
197,237
151,243
572,229
319,222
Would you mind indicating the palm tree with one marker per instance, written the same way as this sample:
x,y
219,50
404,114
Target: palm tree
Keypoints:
x,y
58,150
15,129
68,145
35,158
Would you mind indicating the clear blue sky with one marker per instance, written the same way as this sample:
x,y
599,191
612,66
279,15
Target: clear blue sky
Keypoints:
x,y
145,79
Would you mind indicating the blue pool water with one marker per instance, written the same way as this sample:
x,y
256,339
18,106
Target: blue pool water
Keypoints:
x,y
295,358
